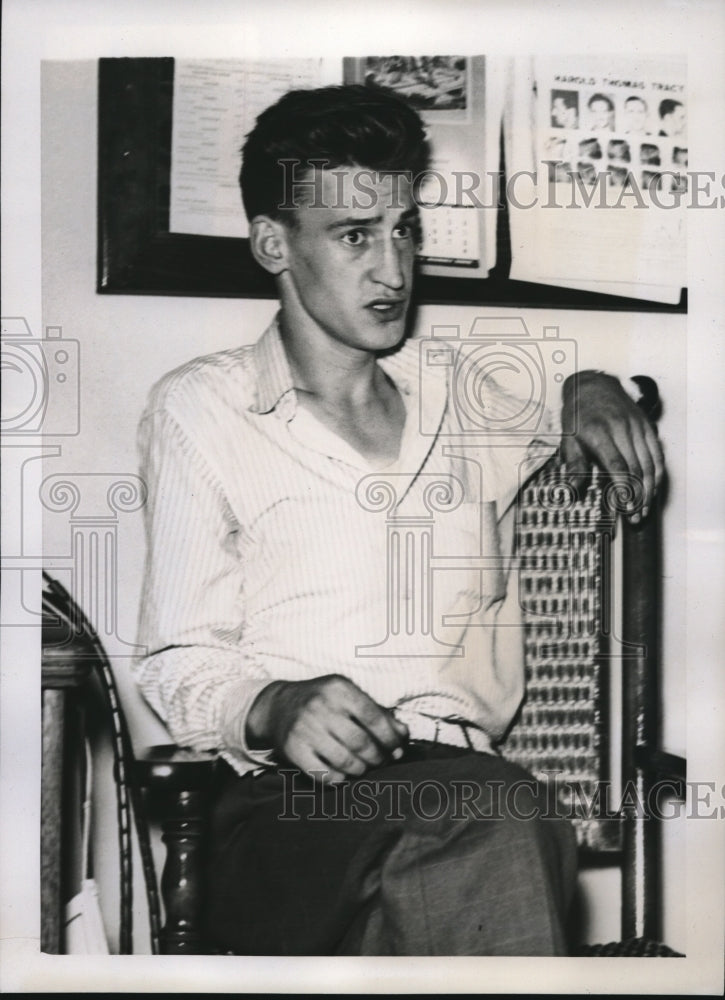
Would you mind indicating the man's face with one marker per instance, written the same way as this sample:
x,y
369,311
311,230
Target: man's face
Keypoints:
x,y
350,257
675,122
636,113
564,116
601,115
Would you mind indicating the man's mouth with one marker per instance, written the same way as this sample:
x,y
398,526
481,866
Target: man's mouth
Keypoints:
x,y
388,309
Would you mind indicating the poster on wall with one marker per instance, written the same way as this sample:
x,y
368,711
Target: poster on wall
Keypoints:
x,y
216,102
605,139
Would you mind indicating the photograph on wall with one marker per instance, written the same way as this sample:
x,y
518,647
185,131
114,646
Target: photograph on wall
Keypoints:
x,y
612,116
431,84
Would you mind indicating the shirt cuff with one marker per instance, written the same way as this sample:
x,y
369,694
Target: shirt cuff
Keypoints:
x,y
238,701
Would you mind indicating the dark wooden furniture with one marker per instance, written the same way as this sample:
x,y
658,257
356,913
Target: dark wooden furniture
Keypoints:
x,y
177,783
574,643
575,639
62,677
78,688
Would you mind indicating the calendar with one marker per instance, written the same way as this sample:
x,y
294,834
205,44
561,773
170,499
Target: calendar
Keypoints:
x,y
450,236
460,101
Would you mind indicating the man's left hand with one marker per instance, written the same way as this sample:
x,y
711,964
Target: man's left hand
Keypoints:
x,y
600,422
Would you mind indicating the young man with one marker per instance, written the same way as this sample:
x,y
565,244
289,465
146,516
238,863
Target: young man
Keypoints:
x,y
673,117
356,709
564,109
601,113
635,116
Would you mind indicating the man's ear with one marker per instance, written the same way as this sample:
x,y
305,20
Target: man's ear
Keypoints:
x,y
268,243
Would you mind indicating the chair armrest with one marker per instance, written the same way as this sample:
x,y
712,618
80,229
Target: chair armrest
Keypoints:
x,y
168,768
177,783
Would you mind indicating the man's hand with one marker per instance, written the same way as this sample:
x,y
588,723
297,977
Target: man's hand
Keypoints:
x,y
601,422
324,725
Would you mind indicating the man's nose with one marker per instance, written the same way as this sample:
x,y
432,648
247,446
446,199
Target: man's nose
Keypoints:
x,y
388,266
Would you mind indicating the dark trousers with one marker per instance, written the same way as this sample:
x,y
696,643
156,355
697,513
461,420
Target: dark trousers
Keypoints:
x,y
446,852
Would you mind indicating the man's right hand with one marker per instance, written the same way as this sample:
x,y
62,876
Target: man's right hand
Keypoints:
x,y
327,727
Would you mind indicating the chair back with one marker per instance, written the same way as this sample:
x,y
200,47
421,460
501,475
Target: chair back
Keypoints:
x,y
71,647
590,590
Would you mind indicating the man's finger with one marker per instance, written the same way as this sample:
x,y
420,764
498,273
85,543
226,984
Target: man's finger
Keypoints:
x,y
340,757
617,467
379,724
635,489
646,461
356,740
615,450
313,765
577,465
375,719
616,434
328,737
400,727
654,446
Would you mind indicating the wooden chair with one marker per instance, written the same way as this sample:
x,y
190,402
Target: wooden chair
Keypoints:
x,y
574,646
79,693
575,642
564,548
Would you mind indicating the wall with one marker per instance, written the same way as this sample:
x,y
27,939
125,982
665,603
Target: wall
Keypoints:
x,y
127,342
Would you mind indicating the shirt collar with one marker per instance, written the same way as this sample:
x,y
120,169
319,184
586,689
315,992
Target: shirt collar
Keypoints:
x,y
274,379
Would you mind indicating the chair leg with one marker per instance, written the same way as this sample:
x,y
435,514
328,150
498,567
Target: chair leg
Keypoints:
x,y
181,880
54,706
640,733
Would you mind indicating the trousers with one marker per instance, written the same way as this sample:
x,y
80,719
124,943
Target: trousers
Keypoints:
x,y
446,852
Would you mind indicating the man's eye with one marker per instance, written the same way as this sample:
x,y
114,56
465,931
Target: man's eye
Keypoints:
x,y
354,238
408,231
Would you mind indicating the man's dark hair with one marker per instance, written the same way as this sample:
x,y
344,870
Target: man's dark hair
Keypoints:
x,y
332,126
668,106
601,97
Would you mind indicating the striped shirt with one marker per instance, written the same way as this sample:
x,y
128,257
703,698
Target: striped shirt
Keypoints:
x,y
275,551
